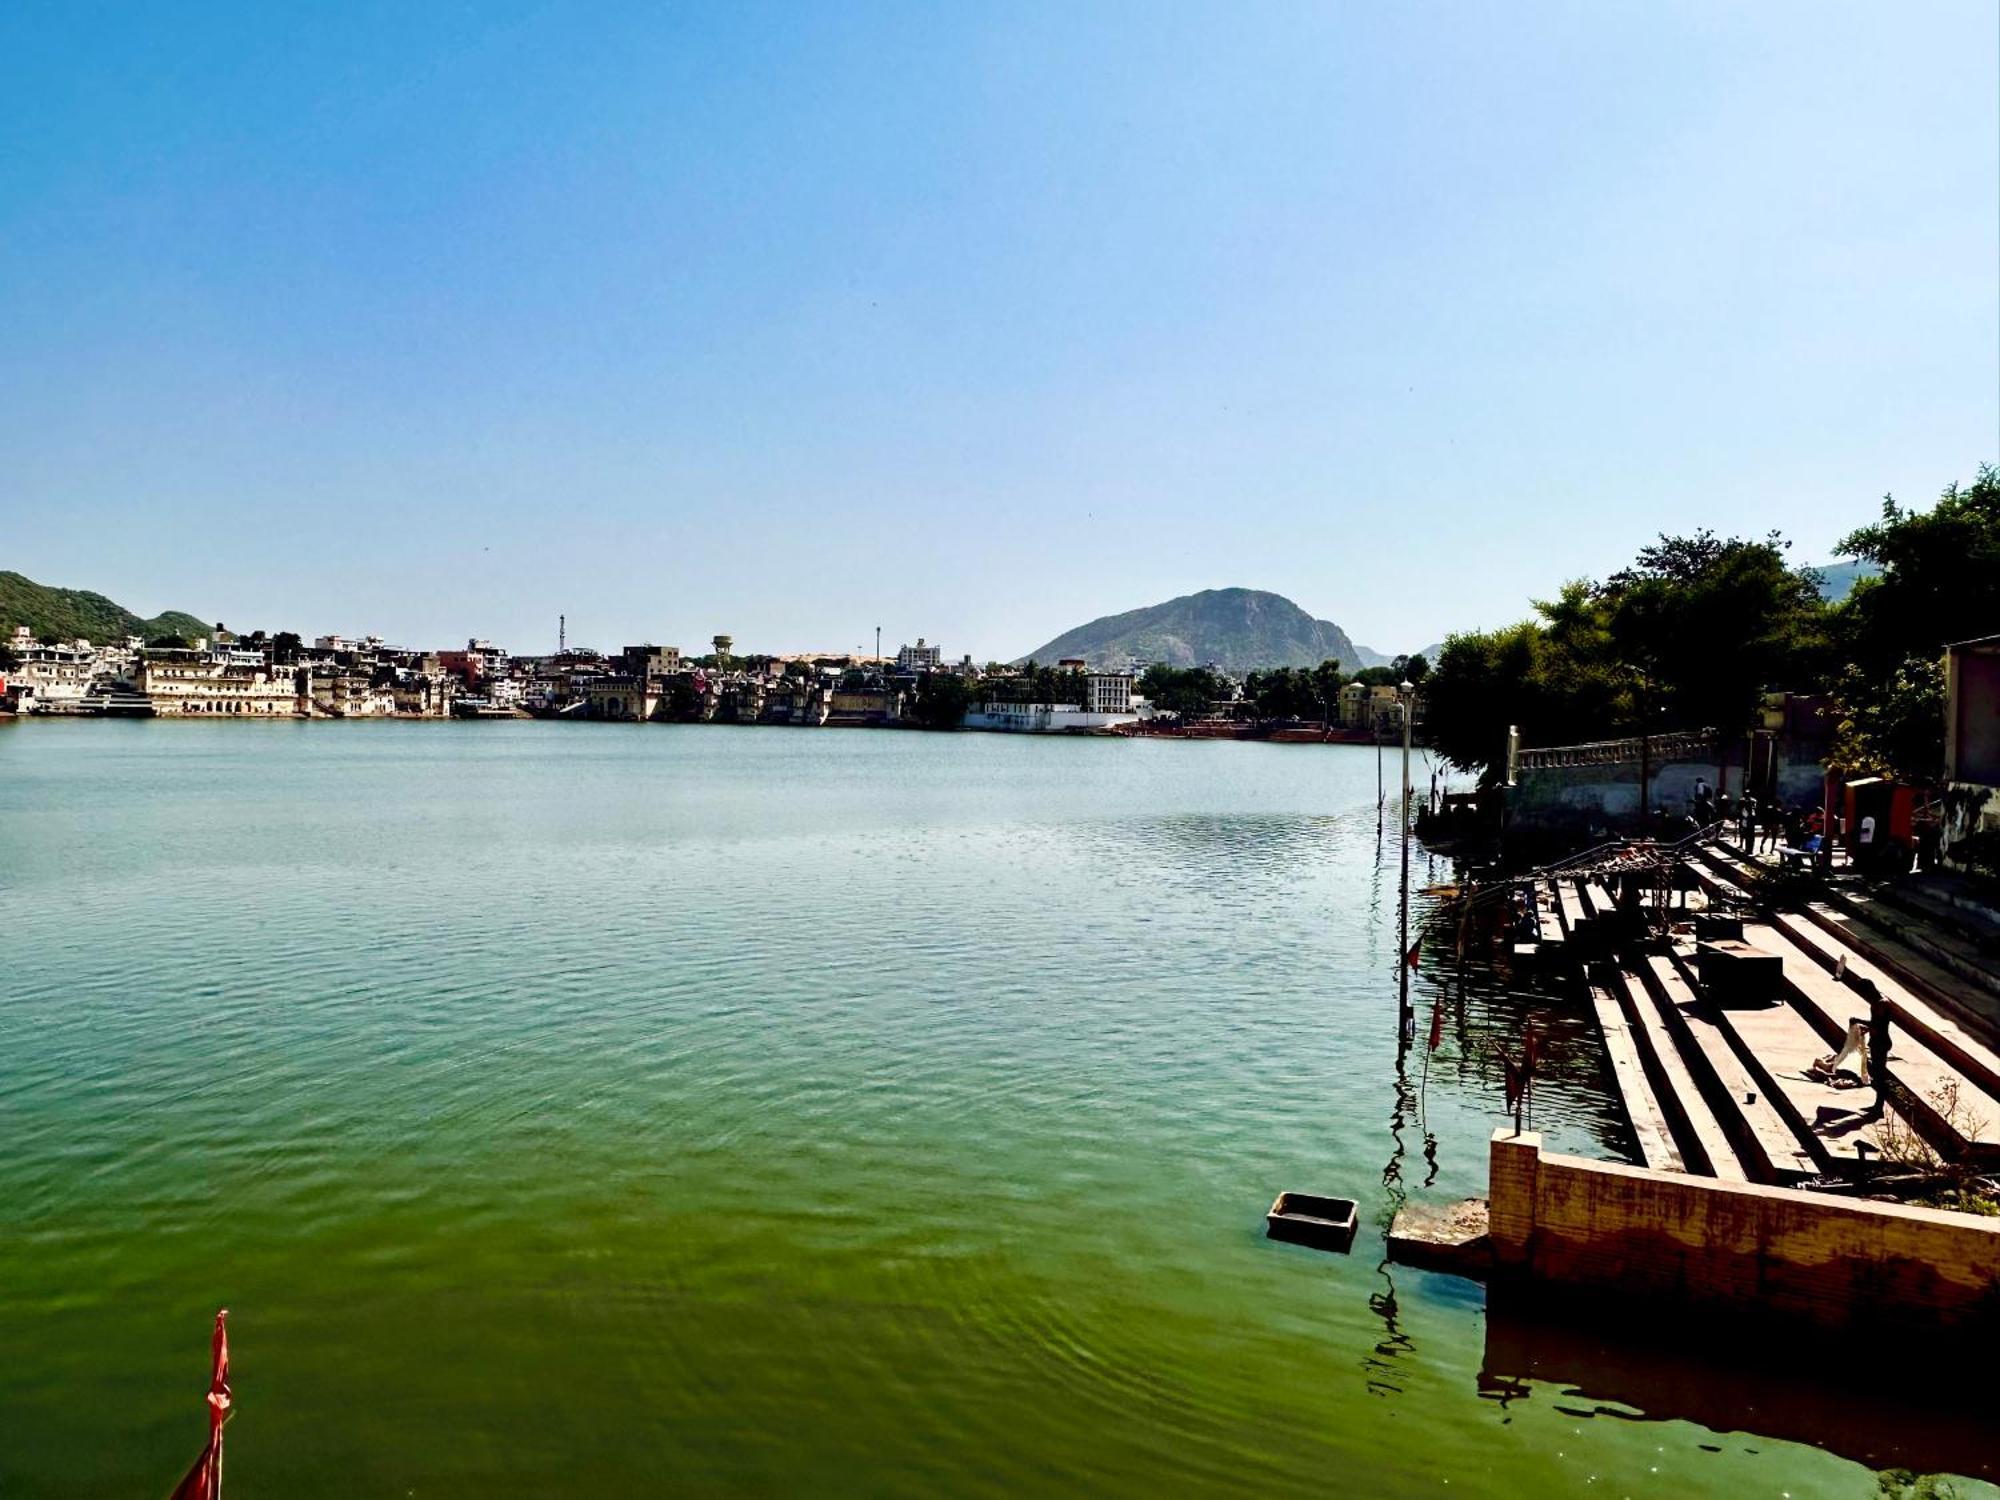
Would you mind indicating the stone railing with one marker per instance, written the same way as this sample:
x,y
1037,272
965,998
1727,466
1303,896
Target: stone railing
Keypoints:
x,y
1689,745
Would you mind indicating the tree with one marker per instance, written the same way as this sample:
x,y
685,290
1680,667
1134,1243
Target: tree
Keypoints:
x,y
285,647
1327,683
1283,693
1484,682
169,642
942,699
1181,690
1940,582
1712,624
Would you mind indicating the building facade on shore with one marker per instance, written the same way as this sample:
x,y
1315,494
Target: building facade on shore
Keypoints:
x,y
180,681
1107,707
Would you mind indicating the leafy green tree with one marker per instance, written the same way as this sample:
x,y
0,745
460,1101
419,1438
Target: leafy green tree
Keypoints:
x,y
942,699
1283,693
1484,682
1940,582
1688,637
1712,624
1327,683
286,646
1181,690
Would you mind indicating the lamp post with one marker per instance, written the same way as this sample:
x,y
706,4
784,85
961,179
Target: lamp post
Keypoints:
x,y
1405,696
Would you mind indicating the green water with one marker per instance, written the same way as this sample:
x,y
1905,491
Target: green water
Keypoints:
x,y
603,1110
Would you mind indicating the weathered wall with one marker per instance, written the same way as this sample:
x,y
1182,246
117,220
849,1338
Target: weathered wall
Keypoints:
x,y
1593,798
1835,1261
1588,799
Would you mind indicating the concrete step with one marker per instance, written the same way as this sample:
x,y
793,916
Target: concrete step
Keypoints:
x,y
1643,1107
1911,923
1575,916
1766,1145
1945,902
1721,883
1931,1058
1941,945
1705,1145
1841,1127
1548,917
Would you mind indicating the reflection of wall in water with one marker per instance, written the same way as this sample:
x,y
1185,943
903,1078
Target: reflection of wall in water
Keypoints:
x,y
1582,1354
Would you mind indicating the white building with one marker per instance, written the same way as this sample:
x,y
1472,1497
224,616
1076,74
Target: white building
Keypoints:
x,y
1047,718
920,657
50,678
1109,692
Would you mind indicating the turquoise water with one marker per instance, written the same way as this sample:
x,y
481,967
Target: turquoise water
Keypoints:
x,y
591,1110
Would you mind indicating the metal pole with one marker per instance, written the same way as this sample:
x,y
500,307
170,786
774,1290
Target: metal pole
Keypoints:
x,y
1403,924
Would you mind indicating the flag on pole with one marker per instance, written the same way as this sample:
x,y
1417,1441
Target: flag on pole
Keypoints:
x,y
1437,1023
1410,958
204,1480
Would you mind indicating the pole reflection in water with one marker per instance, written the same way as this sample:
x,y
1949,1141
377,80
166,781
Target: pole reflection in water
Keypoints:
x,y
1383,1364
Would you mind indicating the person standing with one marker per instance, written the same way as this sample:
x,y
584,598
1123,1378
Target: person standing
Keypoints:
x,y
1878,1038
1746,812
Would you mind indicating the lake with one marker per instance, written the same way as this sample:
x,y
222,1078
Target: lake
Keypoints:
x,y
600,1109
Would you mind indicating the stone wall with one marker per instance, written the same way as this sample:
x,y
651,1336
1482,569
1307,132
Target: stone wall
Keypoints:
x,y
1604,798
1838,1262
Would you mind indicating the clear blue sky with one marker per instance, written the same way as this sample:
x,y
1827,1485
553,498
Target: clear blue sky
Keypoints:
x,y
971,321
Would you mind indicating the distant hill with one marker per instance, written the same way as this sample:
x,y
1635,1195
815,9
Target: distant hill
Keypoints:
x,y
1840,578
1241,630
68,613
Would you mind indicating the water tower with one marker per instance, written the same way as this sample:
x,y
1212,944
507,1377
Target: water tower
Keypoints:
x,y
722,645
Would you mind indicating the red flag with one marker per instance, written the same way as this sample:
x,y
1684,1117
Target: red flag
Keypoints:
x,y
204,1480
1437,1023
1410,958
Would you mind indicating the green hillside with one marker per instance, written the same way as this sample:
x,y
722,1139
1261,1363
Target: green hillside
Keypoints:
x,y
68,613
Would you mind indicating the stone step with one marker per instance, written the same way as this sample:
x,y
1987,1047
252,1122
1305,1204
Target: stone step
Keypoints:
x,y
1570,904
1906,914
1705,1145
1643,1107
1899,949
1769,1150
1938,944
1931,1058
1841,1127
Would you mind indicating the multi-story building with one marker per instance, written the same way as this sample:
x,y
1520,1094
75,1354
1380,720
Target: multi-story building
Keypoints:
x,y
424,695
922,657
50,678
181,681
649,660
479,661
344,695
622,697
1108,692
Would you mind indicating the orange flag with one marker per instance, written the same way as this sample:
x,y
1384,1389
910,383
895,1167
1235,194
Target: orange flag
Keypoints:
x,y
204,1480
1410,958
